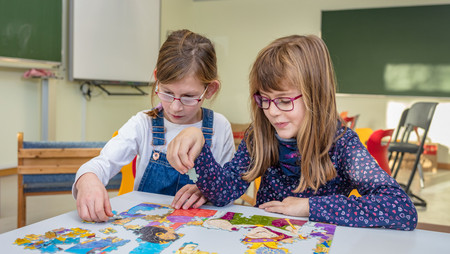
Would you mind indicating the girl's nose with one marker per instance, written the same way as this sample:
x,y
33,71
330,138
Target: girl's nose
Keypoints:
x,y
176,105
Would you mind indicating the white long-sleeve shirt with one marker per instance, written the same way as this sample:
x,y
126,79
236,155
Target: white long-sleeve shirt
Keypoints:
x,y
135,138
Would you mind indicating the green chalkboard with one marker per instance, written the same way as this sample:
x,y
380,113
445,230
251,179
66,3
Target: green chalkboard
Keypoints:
x,y
31,29
390,51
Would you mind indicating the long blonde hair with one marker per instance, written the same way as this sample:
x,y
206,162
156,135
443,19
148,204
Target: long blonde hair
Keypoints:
x,y
303,62
185,53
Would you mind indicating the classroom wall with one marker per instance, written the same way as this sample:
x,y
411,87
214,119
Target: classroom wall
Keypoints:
x,y
239,29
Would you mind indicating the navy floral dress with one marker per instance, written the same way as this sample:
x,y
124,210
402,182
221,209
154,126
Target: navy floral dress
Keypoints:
x,y
383,203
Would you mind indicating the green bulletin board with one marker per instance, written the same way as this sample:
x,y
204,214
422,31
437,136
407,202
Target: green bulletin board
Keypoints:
x,y
390,51
31,29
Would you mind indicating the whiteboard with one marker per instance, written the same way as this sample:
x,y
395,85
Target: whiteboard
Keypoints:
x,y
113,40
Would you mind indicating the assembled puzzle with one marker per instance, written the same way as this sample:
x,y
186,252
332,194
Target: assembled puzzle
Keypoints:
x,y
157,228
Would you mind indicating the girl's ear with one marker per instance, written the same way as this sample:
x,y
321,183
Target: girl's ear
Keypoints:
x,y
213,87
154,74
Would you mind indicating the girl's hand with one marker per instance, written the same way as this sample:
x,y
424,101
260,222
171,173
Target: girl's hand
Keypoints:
x,y
289,206
92,199
185,148
188,196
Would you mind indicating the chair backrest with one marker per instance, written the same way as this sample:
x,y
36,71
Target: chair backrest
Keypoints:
x,y
238,132
351,121
51,157
419,116
364,134
253,189
401,125
128,175
379,149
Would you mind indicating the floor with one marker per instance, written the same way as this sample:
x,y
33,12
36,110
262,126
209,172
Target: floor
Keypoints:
x,y
43,207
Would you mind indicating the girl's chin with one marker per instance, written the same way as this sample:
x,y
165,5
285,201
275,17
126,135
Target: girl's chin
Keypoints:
x,y
285,135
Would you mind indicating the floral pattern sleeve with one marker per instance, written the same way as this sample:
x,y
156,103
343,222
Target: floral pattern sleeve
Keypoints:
x,y
222,185
383,202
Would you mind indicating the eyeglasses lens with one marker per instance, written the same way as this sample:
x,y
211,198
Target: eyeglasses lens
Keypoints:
x,y
282,103
189,101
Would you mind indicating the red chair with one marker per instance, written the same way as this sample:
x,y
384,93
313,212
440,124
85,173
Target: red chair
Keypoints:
x,y
379,149
350,121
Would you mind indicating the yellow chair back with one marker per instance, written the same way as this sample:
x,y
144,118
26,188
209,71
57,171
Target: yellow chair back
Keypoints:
x,y
127,184
364,134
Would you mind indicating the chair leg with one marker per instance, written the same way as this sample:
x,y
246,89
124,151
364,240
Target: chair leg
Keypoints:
x,y
394,162
413,172
398,158
21,203
397,163
416,199
422,180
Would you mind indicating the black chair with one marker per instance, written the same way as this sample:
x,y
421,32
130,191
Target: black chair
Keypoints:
x,y
399,129
415,119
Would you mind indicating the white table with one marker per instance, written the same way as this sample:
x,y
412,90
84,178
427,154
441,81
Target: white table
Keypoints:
x,y
346,240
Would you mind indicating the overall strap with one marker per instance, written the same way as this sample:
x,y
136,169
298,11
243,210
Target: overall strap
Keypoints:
x,y
158,130
207,125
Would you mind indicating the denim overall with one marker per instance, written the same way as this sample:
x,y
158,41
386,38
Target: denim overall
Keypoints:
x,y
159,176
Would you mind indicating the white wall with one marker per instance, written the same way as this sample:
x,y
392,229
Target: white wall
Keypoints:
x,y
239,28
19,100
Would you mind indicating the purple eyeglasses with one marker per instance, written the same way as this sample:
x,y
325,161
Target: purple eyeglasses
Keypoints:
x,y
282,103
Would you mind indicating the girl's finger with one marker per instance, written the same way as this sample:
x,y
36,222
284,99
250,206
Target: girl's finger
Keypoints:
x,y
194,196
184,151
84,213
275,209
175,199
270,204
107,206
174,157
92,214
200,202
179,198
